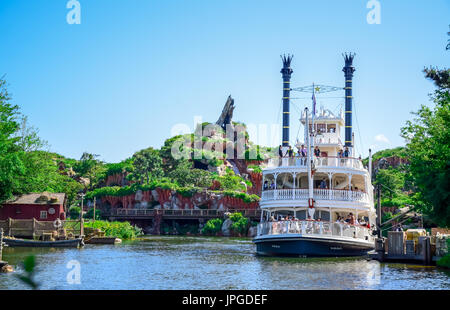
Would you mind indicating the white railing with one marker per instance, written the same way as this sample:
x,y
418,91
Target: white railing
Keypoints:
x,y
315,228
330,161
319,194
327,138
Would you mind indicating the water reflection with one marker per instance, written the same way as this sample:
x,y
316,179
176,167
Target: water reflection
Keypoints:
x,y
212,263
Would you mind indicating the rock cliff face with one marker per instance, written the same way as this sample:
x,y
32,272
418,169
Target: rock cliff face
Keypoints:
x,y
256,179
118,179
386,162
168,199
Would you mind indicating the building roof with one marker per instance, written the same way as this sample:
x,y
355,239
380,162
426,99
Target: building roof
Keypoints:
x,y
39,199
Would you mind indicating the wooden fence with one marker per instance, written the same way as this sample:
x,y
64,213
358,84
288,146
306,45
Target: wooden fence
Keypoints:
x,y
33,228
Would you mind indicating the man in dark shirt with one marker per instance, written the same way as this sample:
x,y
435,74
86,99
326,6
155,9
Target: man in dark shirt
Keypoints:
x,y
346,152
317,151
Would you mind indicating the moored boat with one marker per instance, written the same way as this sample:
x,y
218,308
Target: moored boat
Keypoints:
x,y
71,243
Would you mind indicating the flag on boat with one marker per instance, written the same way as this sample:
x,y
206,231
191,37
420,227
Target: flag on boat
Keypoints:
x,y
314,103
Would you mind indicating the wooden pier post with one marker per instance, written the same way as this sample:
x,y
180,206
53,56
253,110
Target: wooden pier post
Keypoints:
x,y
379,211
1,244
425,245
81,217
95,200
396,243
34,228
9,226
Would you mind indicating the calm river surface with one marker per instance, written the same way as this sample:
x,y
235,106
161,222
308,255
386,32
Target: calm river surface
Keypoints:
x,y
211,263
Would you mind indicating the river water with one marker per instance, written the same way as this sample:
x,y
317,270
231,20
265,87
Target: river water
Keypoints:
x,y
209,263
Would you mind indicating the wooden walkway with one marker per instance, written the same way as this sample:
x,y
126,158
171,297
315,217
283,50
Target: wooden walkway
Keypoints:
x,y
191,214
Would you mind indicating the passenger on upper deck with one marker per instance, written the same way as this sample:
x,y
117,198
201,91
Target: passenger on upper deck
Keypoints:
x,y
351,219
302,151
291,151
272,185
317,151
323,184
266,185
280,151
346,152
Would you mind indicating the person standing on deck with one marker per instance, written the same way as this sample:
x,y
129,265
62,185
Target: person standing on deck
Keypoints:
x,y
291,151
317,151
280,151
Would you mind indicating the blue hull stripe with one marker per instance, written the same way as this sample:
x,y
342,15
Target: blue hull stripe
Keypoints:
x,y
311,247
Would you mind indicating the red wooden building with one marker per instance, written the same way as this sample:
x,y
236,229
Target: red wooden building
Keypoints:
x,y
42,207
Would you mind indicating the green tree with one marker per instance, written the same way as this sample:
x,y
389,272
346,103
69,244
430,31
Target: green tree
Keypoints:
x,y
41,174
147,164
185,175
232,182
428,147
393,179
10,152
92,168
169,162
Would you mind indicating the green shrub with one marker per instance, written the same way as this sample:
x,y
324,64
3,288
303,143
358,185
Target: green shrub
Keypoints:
x,y
74,212
122,230
255,168
244,196
240,223
212,227
444,261
90,214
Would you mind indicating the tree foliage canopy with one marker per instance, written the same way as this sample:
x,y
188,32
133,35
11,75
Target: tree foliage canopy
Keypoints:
x,y
24,166
428,147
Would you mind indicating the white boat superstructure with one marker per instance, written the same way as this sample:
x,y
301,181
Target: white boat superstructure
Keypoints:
x,y
318,201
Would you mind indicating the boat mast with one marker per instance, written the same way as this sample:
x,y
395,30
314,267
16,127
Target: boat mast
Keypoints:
x,y
313,114
309,168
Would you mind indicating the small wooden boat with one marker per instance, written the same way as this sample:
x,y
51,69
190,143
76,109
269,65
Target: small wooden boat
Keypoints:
x,y
73,243
103,240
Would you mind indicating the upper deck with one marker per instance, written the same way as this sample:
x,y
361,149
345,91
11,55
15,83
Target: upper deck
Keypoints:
x,y
319,162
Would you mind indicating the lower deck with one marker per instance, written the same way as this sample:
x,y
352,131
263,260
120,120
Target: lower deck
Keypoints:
x,y
298,245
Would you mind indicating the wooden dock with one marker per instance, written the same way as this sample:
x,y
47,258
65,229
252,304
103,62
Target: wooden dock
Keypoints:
x,y
399,250
33,228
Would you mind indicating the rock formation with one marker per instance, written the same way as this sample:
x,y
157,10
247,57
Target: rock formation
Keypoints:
x,y
227,113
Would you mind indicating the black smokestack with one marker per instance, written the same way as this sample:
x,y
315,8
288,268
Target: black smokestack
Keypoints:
x,y
348,71
286,72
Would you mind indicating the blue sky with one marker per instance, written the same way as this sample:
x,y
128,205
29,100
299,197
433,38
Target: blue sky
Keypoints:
x,y
121,80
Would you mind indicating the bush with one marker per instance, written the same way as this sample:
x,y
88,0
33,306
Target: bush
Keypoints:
x,y
74,212
240,223
90,214
212,227
122,230
255,168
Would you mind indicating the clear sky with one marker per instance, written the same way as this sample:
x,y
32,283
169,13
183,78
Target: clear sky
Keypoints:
x,y
119,81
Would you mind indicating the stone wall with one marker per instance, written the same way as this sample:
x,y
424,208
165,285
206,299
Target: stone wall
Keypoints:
x,y
169,199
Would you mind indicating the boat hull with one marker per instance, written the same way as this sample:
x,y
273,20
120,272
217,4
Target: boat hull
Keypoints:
x,y
74,243
301,246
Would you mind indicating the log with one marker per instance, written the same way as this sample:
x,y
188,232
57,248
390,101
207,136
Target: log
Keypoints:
x,y
227,113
